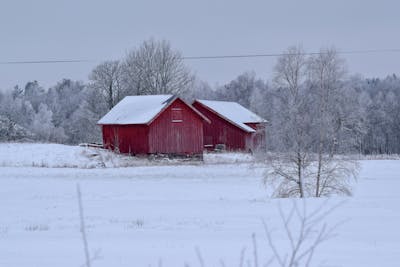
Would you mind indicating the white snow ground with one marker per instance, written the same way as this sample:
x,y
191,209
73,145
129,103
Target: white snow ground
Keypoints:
x,y
62,156
140,215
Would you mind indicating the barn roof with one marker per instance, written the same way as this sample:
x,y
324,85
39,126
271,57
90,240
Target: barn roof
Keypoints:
x,y
233,112
141,109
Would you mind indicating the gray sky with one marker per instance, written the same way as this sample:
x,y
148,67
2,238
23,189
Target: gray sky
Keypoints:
x,y
99,30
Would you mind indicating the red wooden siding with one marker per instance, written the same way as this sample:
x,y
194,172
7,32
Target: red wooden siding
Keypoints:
x,y
127,138
178,130
221,131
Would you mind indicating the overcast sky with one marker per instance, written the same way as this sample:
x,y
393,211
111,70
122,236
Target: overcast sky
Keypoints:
x,y
98,30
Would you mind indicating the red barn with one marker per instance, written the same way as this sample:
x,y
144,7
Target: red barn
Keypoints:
x,y
153,124
232,126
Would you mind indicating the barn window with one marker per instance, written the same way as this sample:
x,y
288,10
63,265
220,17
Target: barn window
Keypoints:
x,y
177,115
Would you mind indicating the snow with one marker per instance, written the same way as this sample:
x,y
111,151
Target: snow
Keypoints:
x,y
228,157
138,216
61,156
64,156
136,109
233,112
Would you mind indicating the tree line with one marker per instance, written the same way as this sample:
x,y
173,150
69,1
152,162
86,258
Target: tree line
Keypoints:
x,y
328,107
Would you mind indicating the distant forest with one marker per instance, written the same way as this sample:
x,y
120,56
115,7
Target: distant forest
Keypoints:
x,y
355,114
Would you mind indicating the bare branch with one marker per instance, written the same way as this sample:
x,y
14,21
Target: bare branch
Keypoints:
x,y
82,227
311,233
242,255
255,255
272,245
199,257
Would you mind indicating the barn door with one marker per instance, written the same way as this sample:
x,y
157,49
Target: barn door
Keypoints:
x,y
177,120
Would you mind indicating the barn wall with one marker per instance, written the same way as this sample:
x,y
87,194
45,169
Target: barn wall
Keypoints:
x,y
178,130
222,132
131,139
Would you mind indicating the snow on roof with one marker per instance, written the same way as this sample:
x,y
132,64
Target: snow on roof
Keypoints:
x,y
234,113
136,109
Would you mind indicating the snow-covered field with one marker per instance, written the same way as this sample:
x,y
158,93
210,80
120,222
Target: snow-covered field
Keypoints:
x,y
138,216
62,156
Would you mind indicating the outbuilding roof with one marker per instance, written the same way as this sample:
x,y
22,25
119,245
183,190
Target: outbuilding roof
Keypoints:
x,y
233,112
141,109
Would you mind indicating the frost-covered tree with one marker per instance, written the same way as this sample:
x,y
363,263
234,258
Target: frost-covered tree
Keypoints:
x,y
308,123
43,128
12,131
156,68
66,113
34,94
382,108
15,115
83,125
241,89
290,126
326,72
42,124
200,90
261,101
64,99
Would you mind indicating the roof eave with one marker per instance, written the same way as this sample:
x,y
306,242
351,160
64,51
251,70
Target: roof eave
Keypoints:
x,y
224,118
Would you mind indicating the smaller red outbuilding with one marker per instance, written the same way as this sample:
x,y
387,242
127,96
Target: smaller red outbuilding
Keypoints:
x,y
232,126
153,124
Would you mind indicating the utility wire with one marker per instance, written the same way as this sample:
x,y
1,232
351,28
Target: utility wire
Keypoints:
x,y
44,61
370,51
288,54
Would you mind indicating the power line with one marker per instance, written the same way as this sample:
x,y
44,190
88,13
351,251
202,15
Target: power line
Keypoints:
x,y
370,51
44,61
288,54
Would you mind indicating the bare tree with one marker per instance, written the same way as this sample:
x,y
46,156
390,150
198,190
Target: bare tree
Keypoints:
x,y
326,73
106,78
288,174
333,175
155,68
82,227
308,123
305,232
290,69
289,129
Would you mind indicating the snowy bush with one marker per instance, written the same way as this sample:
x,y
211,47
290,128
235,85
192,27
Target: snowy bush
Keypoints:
x,y
11,131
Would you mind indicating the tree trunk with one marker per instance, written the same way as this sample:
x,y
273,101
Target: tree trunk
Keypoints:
x,y
300,175
317,186
110,96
